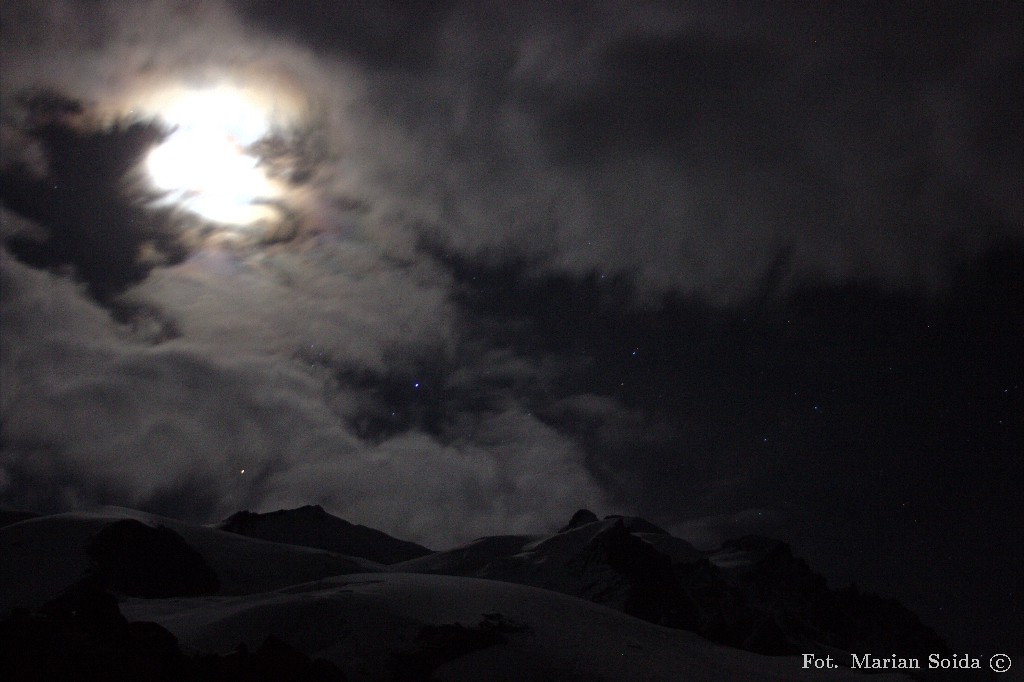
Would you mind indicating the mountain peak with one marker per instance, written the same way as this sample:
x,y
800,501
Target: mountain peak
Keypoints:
x,y
309,509
313,526
581,518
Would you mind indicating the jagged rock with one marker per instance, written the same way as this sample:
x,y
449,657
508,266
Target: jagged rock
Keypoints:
x,y
762,598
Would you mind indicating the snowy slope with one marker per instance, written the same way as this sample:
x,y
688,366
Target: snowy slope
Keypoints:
x,y
564,561
361,621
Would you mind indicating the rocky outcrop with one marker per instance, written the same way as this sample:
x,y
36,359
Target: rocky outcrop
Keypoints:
x,y
141,561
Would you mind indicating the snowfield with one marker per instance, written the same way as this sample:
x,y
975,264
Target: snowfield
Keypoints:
x,y
361,621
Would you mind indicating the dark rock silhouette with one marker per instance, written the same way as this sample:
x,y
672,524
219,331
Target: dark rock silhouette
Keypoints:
x,y
141,561
82,637
771,602
436,645
273,661
311,526
580,518
651,590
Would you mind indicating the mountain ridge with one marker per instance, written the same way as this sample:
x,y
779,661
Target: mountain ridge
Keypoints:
x,y
751,594
312,526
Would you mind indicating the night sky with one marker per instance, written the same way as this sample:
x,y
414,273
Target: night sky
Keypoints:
x,y
736,268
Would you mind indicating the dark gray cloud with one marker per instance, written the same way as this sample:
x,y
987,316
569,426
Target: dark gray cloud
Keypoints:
x,y
381,34
689,153
683,147
92,416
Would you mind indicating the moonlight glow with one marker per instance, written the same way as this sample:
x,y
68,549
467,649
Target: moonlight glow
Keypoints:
x,y
205,165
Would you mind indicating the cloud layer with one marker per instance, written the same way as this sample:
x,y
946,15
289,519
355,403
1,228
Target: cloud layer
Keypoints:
x,y
93,414
496,197
684,147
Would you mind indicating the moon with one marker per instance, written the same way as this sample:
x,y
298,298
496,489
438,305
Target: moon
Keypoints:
x,y
207,164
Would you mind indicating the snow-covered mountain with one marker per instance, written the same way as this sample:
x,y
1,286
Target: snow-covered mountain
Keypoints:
x,y
601,561
544,607
751,593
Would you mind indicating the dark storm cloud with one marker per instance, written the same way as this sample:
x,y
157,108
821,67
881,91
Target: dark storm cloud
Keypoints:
x,y
696,410
689,150
652,91
389,34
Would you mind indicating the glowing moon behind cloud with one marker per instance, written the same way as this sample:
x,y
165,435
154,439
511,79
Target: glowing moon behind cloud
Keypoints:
x,y
205,165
